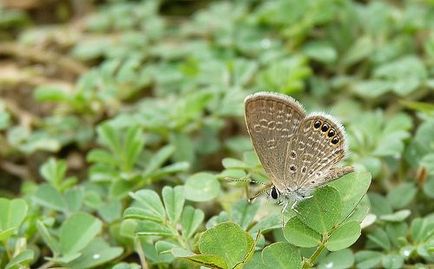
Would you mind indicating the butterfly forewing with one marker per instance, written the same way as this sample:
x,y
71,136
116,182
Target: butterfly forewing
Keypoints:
x,y
272,120
317,145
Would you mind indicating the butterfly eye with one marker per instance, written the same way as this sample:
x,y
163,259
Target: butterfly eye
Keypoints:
x,y
274,193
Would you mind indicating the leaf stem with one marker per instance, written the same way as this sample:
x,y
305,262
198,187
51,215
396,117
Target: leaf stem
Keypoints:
x,y
312,259
309,263
46,265
139,250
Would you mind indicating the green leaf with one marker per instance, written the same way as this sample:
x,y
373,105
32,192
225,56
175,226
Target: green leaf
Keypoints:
x,y
352,187
421,144
234,174
23,259
419,106
134,143
54,171
344,236
119,189
111,211
243,212
191,220
66,258
368,259
77,232
322,211
12,214
138,213
97,252
242,70
184,147
173,199
124,265
201,187
73,199
379,204
372,88
233,163
361,48
255,262
164,250
281,255
101,156
147,228
46,93
397,233
428,187
149,251
401,195
211,261
341,259
149,203
287,74
392,261
320,51
47,196
236,248
361,210
406,74
422,229
109,137
397,216
271,222
379,237
158,159
180,252
5,234
52,243
298,234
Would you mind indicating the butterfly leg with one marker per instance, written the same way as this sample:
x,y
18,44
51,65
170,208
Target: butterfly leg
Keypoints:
x,y
293,207
284,207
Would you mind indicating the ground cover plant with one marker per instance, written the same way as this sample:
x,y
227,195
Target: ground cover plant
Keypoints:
x,y
123,143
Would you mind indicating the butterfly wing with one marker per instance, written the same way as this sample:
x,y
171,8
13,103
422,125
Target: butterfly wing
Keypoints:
x,y
318,145
272,120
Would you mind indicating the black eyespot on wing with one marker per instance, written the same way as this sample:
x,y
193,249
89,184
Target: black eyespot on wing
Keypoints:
x,y
274,193
293,154
292,168
331,133
317,124
335,140
325,127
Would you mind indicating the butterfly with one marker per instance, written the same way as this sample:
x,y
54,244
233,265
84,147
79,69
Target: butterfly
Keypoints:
x,y
299,152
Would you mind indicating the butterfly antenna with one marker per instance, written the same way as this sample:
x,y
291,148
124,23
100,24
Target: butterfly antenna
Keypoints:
x,y
244,179
235,179
263,190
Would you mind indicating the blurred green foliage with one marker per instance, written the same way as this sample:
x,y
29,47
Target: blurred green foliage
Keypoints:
x,y
123,144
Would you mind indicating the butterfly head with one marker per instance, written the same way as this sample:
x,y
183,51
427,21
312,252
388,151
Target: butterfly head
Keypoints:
x,y
295,195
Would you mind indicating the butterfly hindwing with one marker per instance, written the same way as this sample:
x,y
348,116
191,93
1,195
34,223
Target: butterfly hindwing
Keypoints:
x,y
318,145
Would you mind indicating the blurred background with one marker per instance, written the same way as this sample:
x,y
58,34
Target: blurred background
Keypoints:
x,y
123,95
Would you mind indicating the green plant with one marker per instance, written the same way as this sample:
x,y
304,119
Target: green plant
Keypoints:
x,y
123,143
